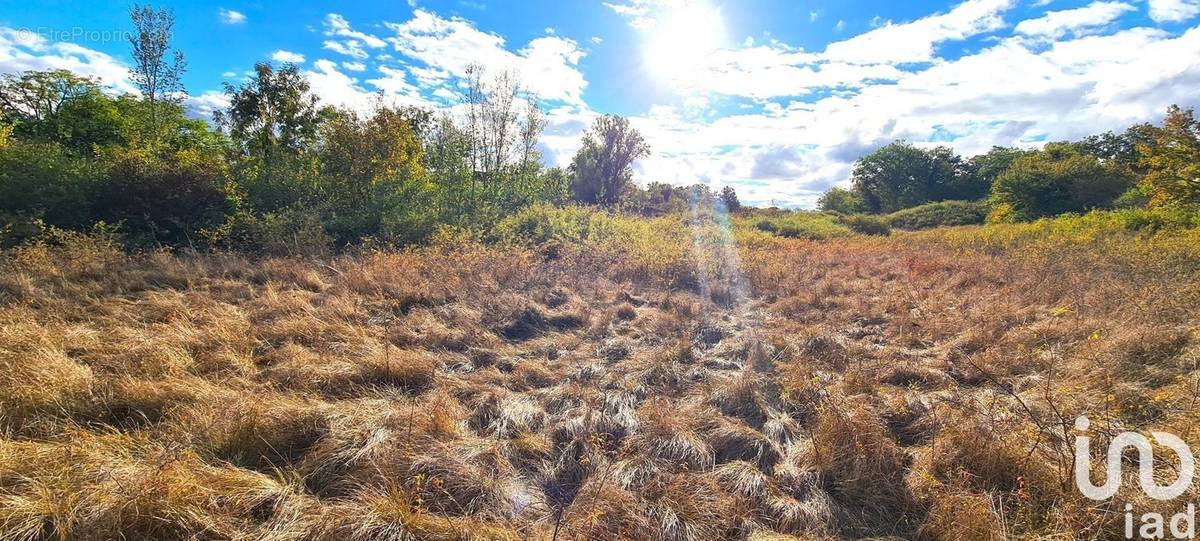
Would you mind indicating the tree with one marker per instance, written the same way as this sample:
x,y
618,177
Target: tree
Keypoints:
x,y
158,79
373,177
729,199
1053,181
602,169
901,175
1120,149
1172,160
990,165
842,201
274,122
60,107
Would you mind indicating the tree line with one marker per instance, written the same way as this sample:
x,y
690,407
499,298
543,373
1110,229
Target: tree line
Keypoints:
x,y
1150,166
277,170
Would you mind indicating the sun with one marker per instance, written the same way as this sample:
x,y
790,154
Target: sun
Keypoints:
x,y
680,42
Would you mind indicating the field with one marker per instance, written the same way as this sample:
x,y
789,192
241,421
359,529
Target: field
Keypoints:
x,y
594,377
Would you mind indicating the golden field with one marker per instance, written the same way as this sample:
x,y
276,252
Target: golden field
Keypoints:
x,y
632,379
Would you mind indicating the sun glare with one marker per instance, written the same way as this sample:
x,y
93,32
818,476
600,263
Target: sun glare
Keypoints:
x,y
682,40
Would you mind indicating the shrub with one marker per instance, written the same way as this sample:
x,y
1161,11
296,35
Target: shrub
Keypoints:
x,y
942,213
803,225
767,225
1057,180
546,224
167,201
45,181
842,201
866,225
284,232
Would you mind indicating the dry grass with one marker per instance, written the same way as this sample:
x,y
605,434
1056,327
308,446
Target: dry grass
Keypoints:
x,y
921,386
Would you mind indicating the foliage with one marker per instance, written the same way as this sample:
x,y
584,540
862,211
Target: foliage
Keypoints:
x,y
285,232
901,175
44,180
158,79
373,177
990,165
942,213
729,199
1172,160
1053,181
842,201
273,121
865,224
799,225
59,107
548,225
602,169
169,199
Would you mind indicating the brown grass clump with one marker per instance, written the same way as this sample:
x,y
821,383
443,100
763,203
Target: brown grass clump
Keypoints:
x,y
260,433
866,469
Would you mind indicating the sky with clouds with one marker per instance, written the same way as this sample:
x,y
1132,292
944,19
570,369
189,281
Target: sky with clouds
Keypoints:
x,y
775,97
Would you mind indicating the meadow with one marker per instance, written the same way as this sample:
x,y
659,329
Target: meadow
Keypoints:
x,y
585,375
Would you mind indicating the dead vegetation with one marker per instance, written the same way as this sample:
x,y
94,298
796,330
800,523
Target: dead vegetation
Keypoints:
x,y
906,388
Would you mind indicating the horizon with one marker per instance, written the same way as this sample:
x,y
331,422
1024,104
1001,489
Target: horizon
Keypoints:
x,y
775,99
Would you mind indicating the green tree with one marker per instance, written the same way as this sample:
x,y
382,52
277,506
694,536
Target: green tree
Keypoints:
x,y
602,170
1055,180
1172,160
1120,149
373,177
990,165
60,107
163,197
842,201
901,175
44,180
274,123
158,78
729,199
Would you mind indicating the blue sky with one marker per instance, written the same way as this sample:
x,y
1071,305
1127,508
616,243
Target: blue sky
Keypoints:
x,y
774,97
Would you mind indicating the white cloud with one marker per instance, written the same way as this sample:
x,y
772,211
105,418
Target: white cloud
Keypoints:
x,y
1173,11
345,40
287,57
915,41
637,11
24,50
229,16
548,66
774,70
206,103
348,48
1056,24
354,66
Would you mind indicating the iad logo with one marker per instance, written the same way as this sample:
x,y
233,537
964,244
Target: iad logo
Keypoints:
x,y
1153,525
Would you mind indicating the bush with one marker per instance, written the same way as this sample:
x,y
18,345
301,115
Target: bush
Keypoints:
x,y
942,213
767,225
165,201
803,225
866,225
842,201
283,232
44,181
546,224
1055,181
